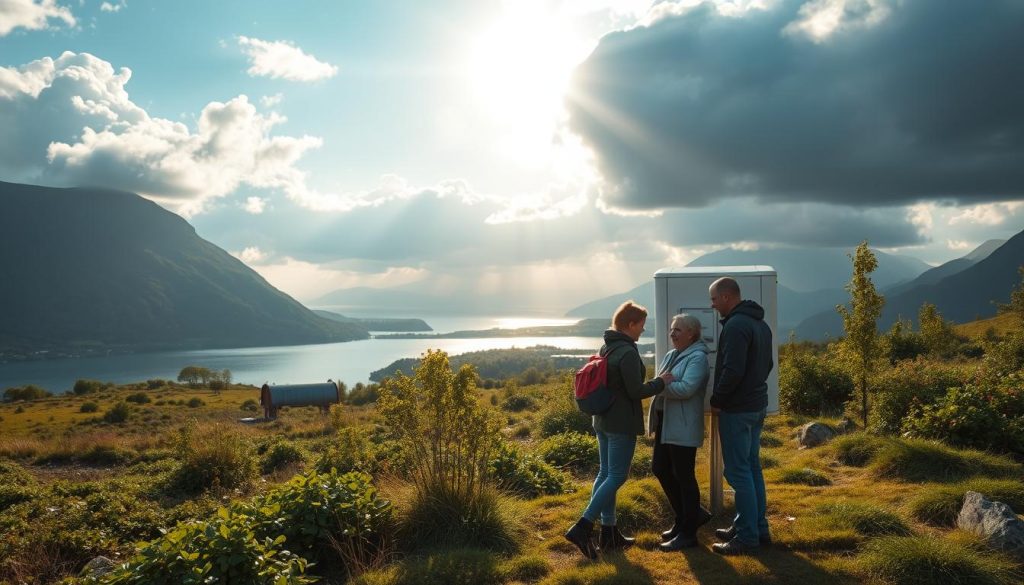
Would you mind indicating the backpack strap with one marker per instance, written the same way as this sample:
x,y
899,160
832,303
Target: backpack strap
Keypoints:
x,y
612,349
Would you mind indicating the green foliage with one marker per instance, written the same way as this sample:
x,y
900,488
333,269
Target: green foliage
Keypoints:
x,y
361,394
1016,304
926,560
222,550
562,416
280,454
939,505
526,474
196,376
812,385
804,476
937,334
864,518
217,459
526,568
350,451
857,449
574,451
139,398
909,383
195,402
118,413
860,321
1004,357
922,460
29,392
515,400
83,387
982,416
901,342
89,407
439,517
250,405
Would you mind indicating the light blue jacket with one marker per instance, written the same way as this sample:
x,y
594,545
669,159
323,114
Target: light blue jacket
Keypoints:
x,y
683,399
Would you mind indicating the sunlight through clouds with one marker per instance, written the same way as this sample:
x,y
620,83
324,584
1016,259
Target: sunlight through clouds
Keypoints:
x,y
283,60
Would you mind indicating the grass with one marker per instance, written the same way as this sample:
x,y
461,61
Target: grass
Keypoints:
x,y
1000,325
864,518
924,560
939,505
919,460
803,475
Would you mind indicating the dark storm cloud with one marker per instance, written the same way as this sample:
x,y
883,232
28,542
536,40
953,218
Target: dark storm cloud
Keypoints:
x,y
923,104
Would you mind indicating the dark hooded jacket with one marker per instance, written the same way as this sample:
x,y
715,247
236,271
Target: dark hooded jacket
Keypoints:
x,y
744,360
626,375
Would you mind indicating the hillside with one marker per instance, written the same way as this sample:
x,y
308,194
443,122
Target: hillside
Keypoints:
x,y
967,295
378,323
88,270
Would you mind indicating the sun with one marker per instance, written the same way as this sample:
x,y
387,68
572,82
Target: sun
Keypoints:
x,y
519,69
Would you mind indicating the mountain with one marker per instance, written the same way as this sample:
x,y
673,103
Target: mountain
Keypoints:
x,y
87,270
378,323
810,280
950,268
967,295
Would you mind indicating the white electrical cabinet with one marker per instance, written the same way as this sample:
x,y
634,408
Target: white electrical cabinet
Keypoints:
x,y
685,290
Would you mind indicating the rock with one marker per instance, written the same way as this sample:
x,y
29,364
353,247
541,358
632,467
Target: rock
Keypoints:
x,y
994,521
98,567
813,434
846,426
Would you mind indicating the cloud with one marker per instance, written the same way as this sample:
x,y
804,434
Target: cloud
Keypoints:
x,y
283,60
110,7
255,205
855,102
990,214
70,121
250,255
31,15
269,101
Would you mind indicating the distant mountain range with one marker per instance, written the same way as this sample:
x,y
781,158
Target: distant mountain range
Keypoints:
x,y
811,279
90,270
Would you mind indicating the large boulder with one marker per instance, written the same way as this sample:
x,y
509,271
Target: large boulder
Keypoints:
x,y
994,521
813,434
98,567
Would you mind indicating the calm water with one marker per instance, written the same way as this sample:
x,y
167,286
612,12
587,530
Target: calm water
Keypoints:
x,y
350,362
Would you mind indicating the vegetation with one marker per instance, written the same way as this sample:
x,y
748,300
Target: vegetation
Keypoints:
x,y
860,322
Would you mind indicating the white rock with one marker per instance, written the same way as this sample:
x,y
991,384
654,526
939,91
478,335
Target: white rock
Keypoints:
x,y
994,521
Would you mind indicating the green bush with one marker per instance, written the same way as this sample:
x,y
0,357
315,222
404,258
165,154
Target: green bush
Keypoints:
x,y
562,416
195,402
250,405
280,454
83,387
813,384
438,518
29,392
803,475
574,451
118,413
896,390
857,449
982,416
139,398
921,460
222,550
13,474
89,407
939,505
219,459
350,451
526,474
517,402
926,560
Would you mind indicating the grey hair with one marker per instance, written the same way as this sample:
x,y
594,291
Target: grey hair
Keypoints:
x,y
688,322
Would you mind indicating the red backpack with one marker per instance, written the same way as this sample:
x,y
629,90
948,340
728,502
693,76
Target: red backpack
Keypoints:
x,y
590,386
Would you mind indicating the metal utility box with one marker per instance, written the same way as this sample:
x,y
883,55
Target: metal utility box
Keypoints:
x,y
685,290
272,398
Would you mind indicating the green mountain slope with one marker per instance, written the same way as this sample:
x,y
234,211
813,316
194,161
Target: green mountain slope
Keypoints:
x,y
89,268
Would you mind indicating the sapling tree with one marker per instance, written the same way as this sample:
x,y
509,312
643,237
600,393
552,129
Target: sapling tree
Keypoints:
x,y
860,322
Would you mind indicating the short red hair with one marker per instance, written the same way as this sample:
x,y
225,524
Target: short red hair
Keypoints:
x,y
628,313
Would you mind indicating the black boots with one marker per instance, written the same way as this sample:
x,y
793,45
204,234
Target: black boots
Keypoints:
x,y
611,539
580,534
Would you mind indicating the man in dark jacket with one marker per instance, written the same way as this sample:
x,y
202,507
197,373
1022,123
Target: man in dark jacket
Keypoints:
x,y
740,396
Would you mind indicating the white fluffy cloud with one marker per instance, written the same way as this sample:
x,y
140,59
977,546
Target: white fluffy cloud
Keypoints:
x,y
31,14
255,205
283,60
70,121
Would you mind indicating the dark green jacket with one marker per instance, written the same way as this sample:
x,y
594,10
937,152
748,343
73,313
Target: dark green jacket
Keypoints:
x,y
626,375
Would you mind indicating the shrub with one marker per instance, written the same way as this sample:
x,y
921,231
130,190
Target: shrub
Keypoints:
x,y
940,505
813,384
83,387
897,389
29,392
118,413
526,474
215,459
138,398
574,451
857,449
155,383
222,550
195,402
805,476
89,407
926,560
921,460
361,394
280,454
438,517
250,405
517,402
351,451
562,416
982,416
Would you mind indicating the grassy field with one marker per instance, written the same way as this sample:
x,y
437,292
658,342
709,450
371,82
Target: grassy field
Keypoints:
x,y
1000,325
835,518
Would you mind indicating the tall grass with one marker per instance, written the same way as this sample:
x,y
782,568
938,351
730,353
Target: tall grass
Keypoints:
x,y
925,560
921,460
940,505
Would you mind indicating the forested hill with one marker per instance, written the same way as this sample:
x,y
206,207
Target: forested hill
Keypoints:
x,y
87,270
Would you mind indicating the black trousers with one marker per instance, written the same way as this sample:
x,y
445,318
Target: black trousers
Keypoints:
x,y
674,465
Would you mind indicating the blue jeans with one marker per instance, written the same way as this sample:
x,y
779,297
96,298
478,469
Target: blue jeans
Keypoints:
x,y
616,453
741,449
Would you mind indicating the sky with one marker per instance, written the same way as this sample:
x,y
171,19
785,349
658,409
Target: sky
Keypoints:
x,y
542,152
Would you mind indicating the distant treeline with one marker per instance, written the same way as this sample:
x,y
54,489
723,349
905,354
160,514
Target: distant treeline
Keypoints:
x,y
583,328
501,364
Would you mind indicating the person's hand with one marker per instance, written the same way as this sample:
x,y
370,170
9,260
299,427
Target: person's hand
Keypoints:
x,y
667,378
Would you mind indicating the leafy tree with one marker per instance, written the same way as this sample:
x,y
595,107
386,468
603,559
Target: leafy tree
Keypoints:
x,y
1016,304
29,392
860,321
902,342
189,375
936,333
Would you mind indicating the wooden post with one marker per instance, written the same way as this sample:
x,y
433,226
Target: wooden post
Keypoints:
x,y
716,466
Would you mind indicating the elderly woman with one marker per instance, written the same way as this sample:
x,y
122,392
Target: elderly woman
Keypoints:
x,y
618,428
677,419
